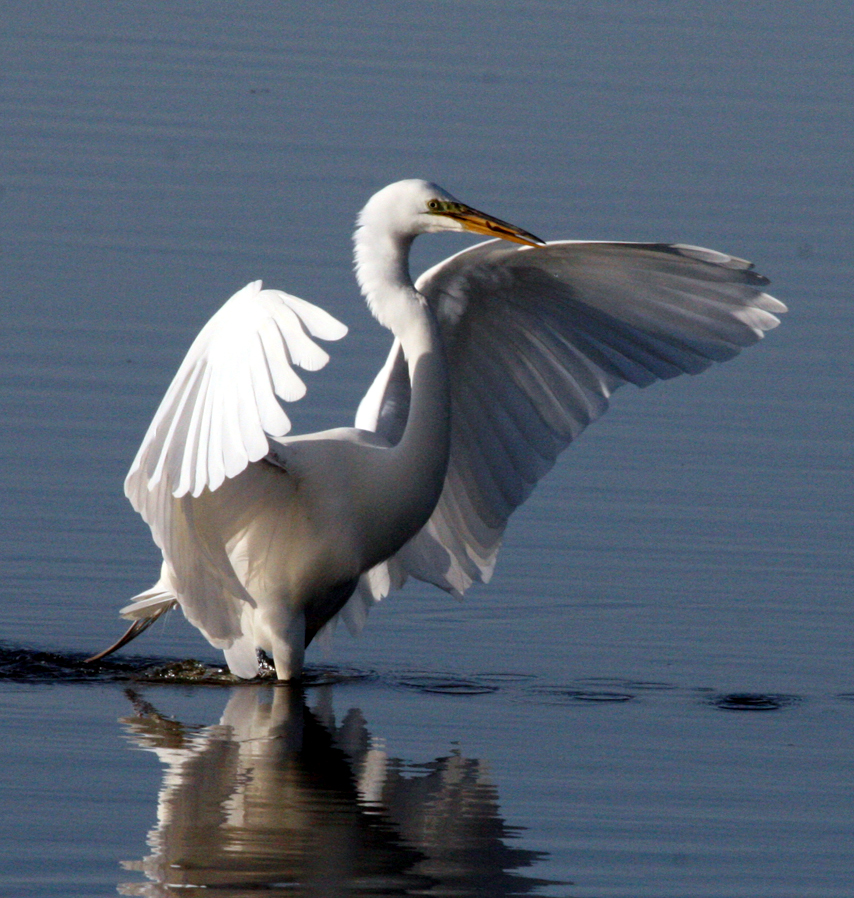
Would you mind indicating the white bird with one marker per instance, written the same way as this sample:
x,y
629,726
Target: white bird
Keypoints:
x,y
502,355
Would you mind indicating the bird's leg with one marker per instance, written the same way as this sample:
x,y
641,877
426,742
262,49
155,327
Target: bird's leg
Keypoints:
x,y
288,644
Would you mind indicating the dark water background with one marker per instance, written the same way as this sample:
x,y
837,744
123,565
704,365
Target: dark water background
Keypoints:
x,y
654,695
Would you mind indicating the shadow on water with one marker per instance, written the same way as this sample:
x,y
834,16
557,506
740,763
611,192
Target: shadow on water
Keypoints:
x,y
19,664
281,796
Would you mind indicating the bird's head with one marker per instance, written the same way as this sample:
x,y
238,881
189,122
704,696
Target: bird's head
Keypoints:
x,y
391,220
409,208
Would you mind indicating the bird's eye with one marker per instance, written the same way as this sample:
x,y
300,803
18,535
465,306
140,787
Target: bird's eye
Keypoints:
x,y
434,205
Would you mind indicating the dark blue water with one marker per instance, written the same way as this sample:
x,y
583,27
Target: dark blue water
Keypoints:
x,y
653,695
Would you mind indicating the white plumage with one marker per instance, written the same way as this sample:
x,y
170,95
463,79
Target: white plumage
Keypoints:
x,y
503,354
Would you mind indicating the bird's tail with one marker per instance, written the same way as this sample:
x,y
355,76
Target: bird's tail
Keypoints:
x,y
144,610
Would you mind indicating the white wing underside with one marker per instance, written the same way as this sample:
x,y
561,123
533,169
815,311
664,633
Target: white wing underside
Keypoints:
x,y
537,340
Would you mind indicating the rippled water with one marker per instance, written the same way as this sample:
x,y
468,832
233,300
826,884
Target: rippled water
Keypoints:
x,y
367,782
654,695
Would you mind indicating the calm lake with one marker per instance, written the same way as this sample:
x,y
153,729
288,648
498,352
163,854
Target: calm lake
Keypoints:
x,y
655,694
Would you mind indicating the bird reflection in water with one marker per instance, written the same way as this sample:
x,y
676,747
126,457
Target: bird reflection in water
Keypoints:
x,y
278,795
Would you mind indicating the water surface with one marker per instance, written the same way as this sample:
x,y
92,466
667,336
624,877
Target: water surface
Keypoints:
x,y
653,695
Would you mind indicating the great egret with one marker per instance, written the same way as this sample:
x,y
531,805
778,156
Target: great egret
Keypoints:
x,y
502,355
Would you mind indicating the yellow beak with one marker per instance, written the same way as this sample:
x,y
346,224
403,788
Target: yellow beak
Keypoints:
x,y
481,223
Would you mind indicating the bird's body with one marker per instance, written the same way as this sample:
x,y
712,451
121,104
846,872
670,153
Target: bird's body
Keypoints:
x,y
502,355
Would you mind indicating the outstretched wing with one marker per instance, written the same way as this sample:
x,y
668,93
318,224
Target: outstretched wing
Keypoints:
x,y
222,404
537,340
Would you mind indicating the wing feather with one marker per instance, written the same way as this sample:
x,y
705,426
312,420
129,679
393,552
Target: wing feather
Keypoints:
x,y
225,399
537,341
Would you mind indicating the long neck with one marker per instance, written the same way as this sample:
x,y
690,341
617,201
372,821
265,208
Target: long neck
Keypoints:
x,y
414,469
382,270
